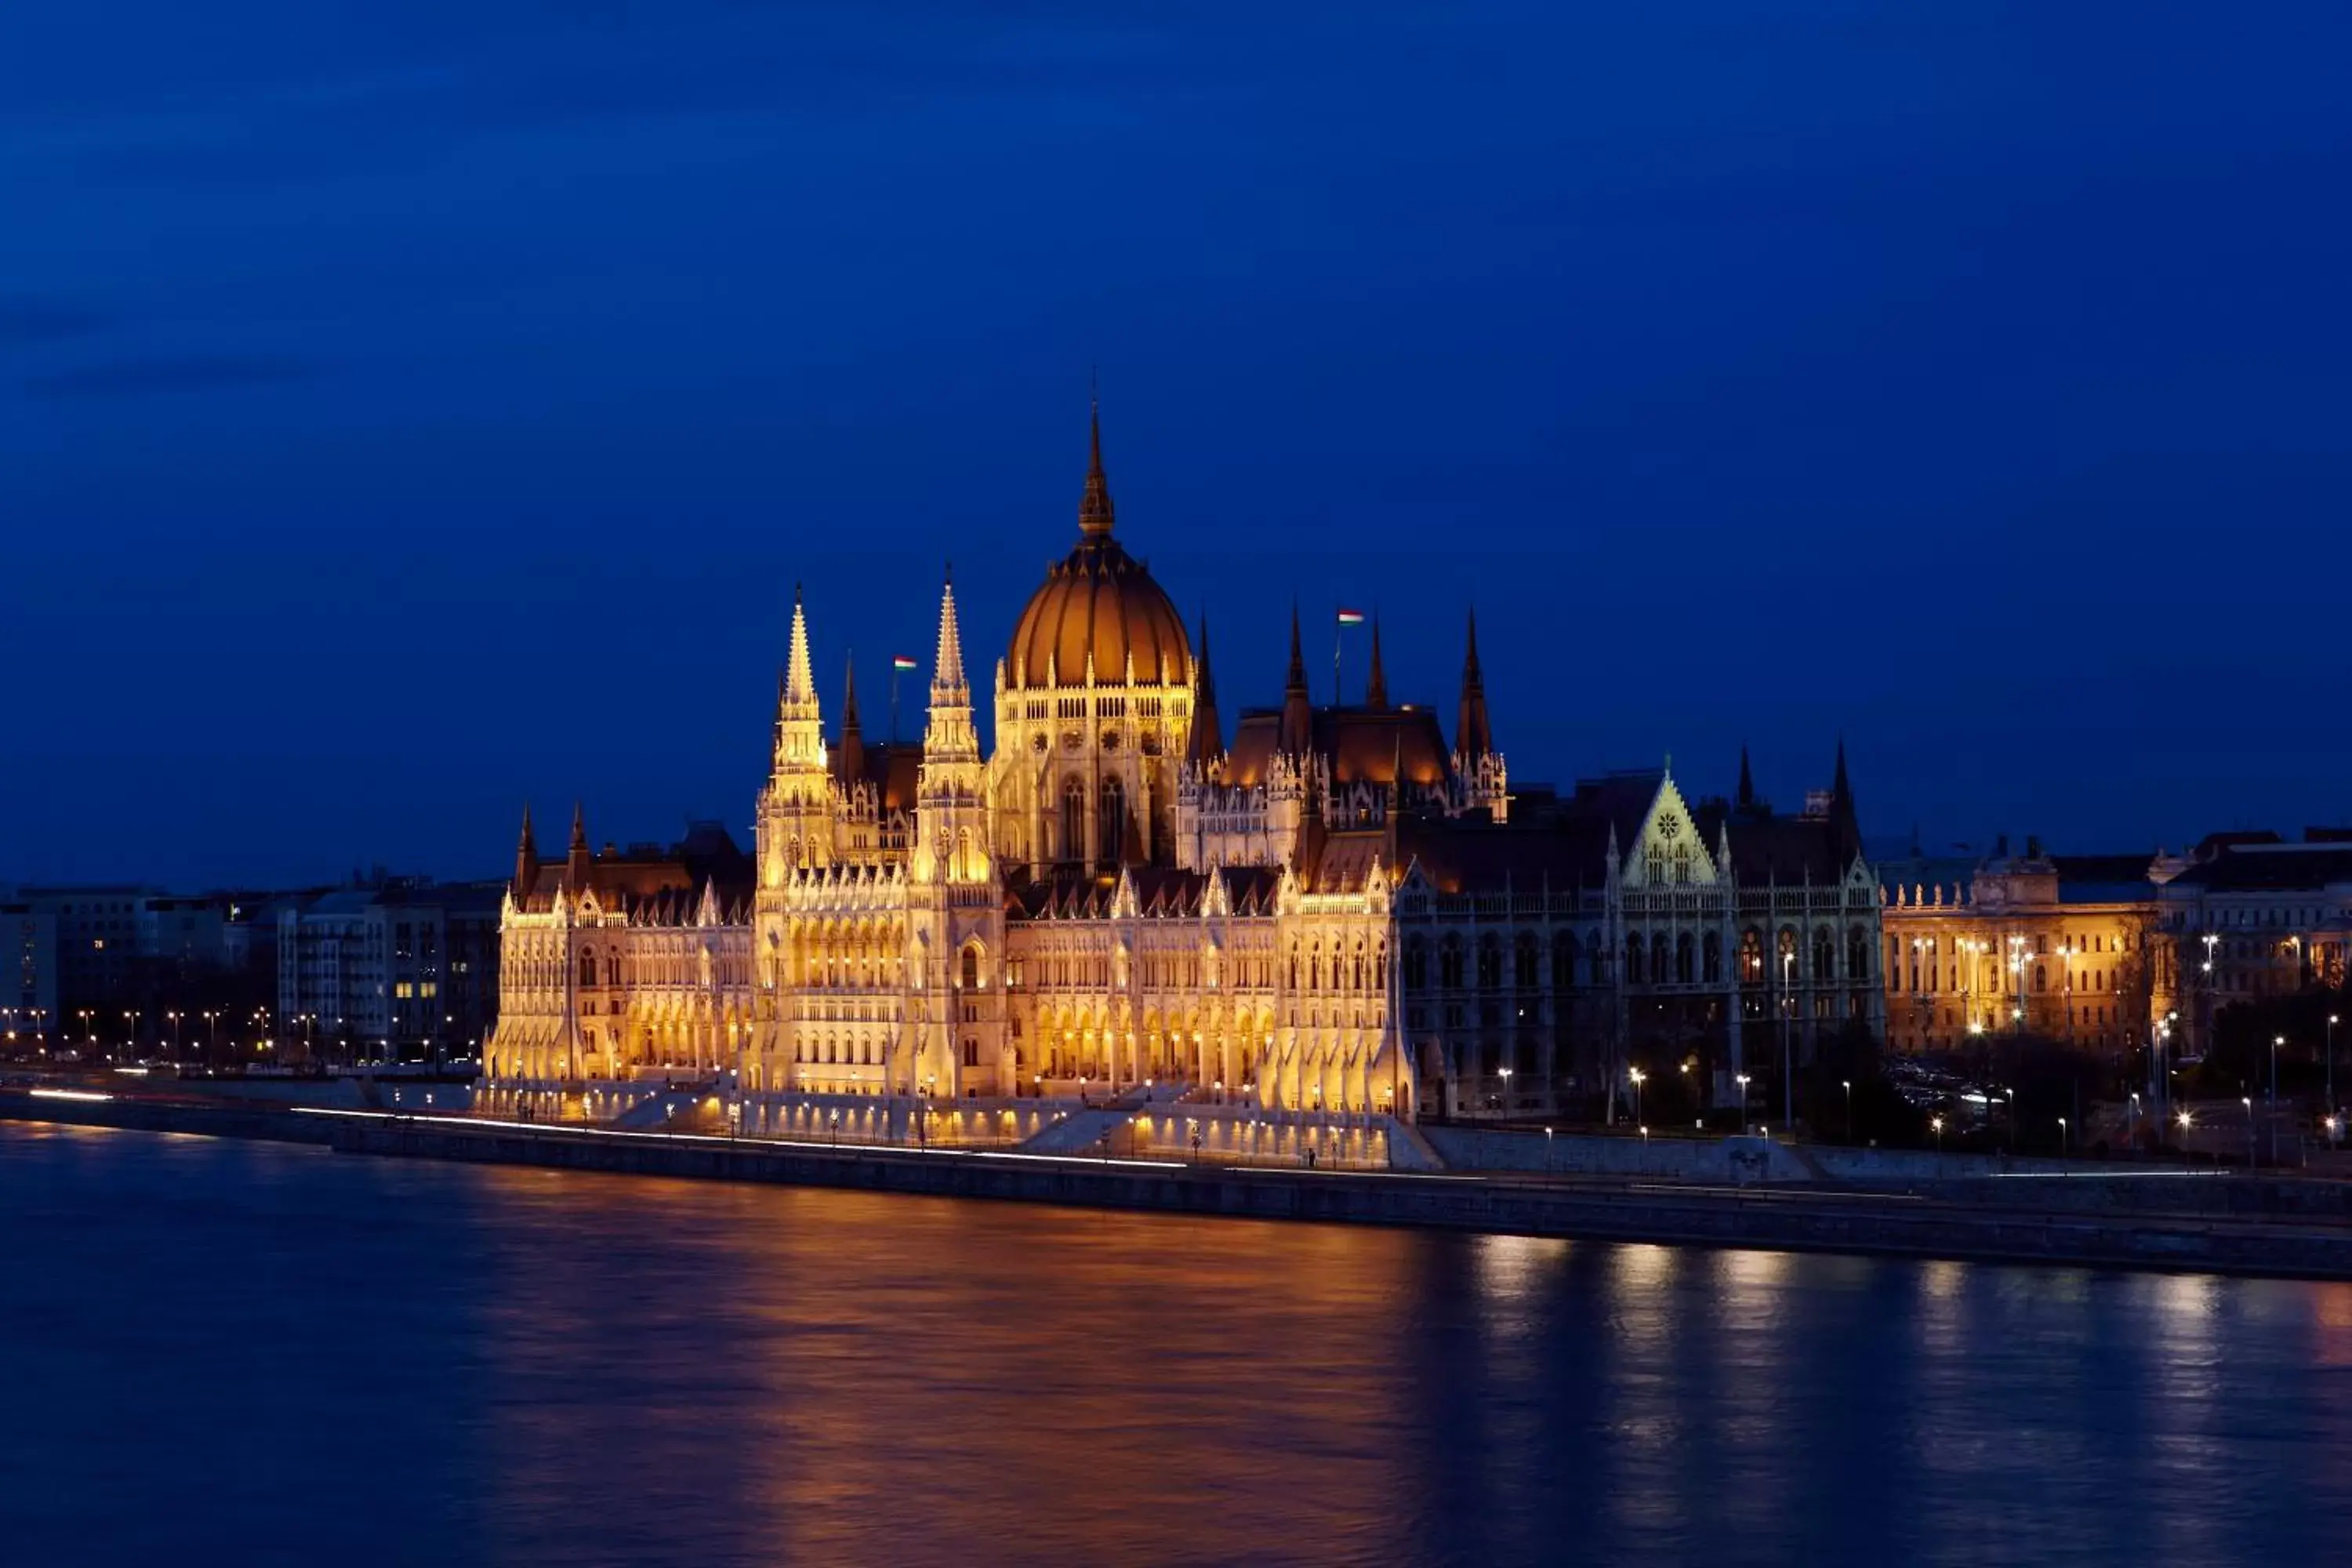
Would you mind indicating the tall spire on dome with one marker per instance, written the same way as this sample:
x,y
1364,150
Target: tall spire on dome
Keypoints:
x,y
1474,736
1206,743
1746,780
1297,730
1376,685
1095,510
1840,790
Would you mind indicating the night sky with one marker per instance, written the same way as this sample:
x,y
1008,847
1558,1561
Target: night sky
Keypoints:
x,y
407,410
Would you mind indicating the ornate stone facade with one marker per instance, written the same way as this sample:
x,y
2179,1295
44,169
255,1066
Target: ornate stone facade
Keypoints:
x,y
1334,912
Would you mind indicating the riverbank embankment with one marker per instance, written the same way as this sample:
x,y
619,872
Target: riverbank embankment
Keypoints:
x,y
1618,1209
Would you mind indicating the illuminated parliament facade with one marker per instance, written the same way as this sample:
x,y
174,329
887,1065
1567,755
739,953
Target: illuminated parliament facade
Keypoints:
x,y
1327,907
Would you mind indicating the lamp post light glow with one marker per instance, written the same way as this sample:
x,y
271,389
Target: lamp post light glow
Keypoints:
x,y
1639,1078
2276,1041
2247,1101
2062,1149
1742,1081
2331,1064
1936,1125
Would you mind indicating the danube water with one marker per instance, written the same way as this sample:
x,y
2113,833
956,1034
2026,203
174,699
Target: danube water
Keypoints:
x,y
219,1352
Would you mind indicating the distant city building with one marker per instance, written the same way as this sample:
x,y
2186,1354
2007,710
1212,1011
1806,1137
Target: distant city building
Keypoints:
x,y
28,975
2058,945
1340,910
404,971
124,956
2252,916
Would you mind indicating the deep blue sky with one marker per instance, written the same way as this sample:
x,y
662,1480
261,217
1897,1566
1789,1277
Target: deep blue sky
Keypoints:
x,y
406,410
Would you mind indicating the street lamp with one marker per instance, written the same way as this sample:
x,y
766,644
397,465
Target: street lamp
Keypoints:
x,y
1849,1108
1741,1080
1788,1053
1638,1077
1936,1125
2276,1041
2331,1064
2247,1101
2061,1138
1507,1091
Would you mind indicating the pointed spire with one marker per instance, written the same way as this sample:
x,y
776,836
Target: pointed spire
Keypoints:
x,y
1747,780
947,662
575,862
526,857
949,736
1376,685
799,680
1841,792
1474,736
800,725
1095,510
849,760
1206,743
1297,729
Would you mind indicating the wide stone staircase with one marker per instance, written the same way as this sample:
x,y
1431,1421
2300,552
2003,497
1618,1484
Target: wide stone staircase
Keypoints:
x,y
1083,1132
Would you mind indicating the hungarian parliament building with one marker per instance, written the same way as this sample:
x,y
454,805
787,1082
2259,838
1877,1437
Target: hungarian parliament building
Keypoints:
x,y
1319,908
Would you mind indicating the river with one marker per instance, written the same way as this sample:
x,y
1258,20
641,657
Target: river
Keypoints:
x,y
238,1352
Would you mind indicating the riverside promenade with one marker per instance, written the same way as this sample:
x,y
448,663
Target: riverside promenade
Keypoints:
x,y
1971,1220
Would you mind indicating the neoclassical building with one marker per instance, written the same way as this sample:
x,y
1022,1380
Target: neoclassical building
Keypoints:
x,y
1334,909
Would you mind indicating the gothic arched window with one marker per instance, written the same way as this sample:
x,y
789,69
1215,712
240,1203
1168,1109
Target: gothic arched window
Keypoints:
x,y
1523,962
1825,955
1490,963
1658,959
971,968
1113,822
1073,821
1857,958
1711,952
1751,956
1563,961
587,967
1416,964
1449,964
1685,962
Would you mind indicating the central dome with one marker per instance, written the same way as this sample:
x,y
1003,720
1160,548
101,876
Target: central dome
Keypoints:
x,y
1099,603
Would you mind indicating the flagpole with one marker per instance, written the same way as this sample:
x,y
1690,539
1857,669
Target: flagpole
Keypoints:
x,y
1337,627
894,701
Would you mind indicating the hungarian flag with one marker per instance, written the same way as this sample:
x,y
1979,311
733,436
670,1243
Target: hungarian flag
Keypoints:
x,y
1351,618
901,665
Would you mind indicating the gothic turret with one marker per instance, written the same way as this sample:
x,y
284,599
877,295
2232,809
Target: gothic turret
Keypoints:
x,y
849,759
1474,736
1747,782
576,858
800,727
526,875
1298,734
949,737
1376,685
1206,743
953,834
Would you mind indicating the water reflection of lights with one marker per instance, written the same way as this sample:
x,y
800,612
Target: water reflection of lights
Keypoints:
x,y
1510,1269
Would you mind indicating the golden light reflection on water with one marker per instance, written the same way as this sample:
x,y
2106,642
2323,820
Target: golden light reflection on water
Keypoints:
x,y
576,1369
901,1364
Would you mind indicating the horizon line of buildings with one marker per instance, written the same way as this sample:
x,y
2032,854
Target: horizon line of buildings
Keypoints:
x,y
2108,951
